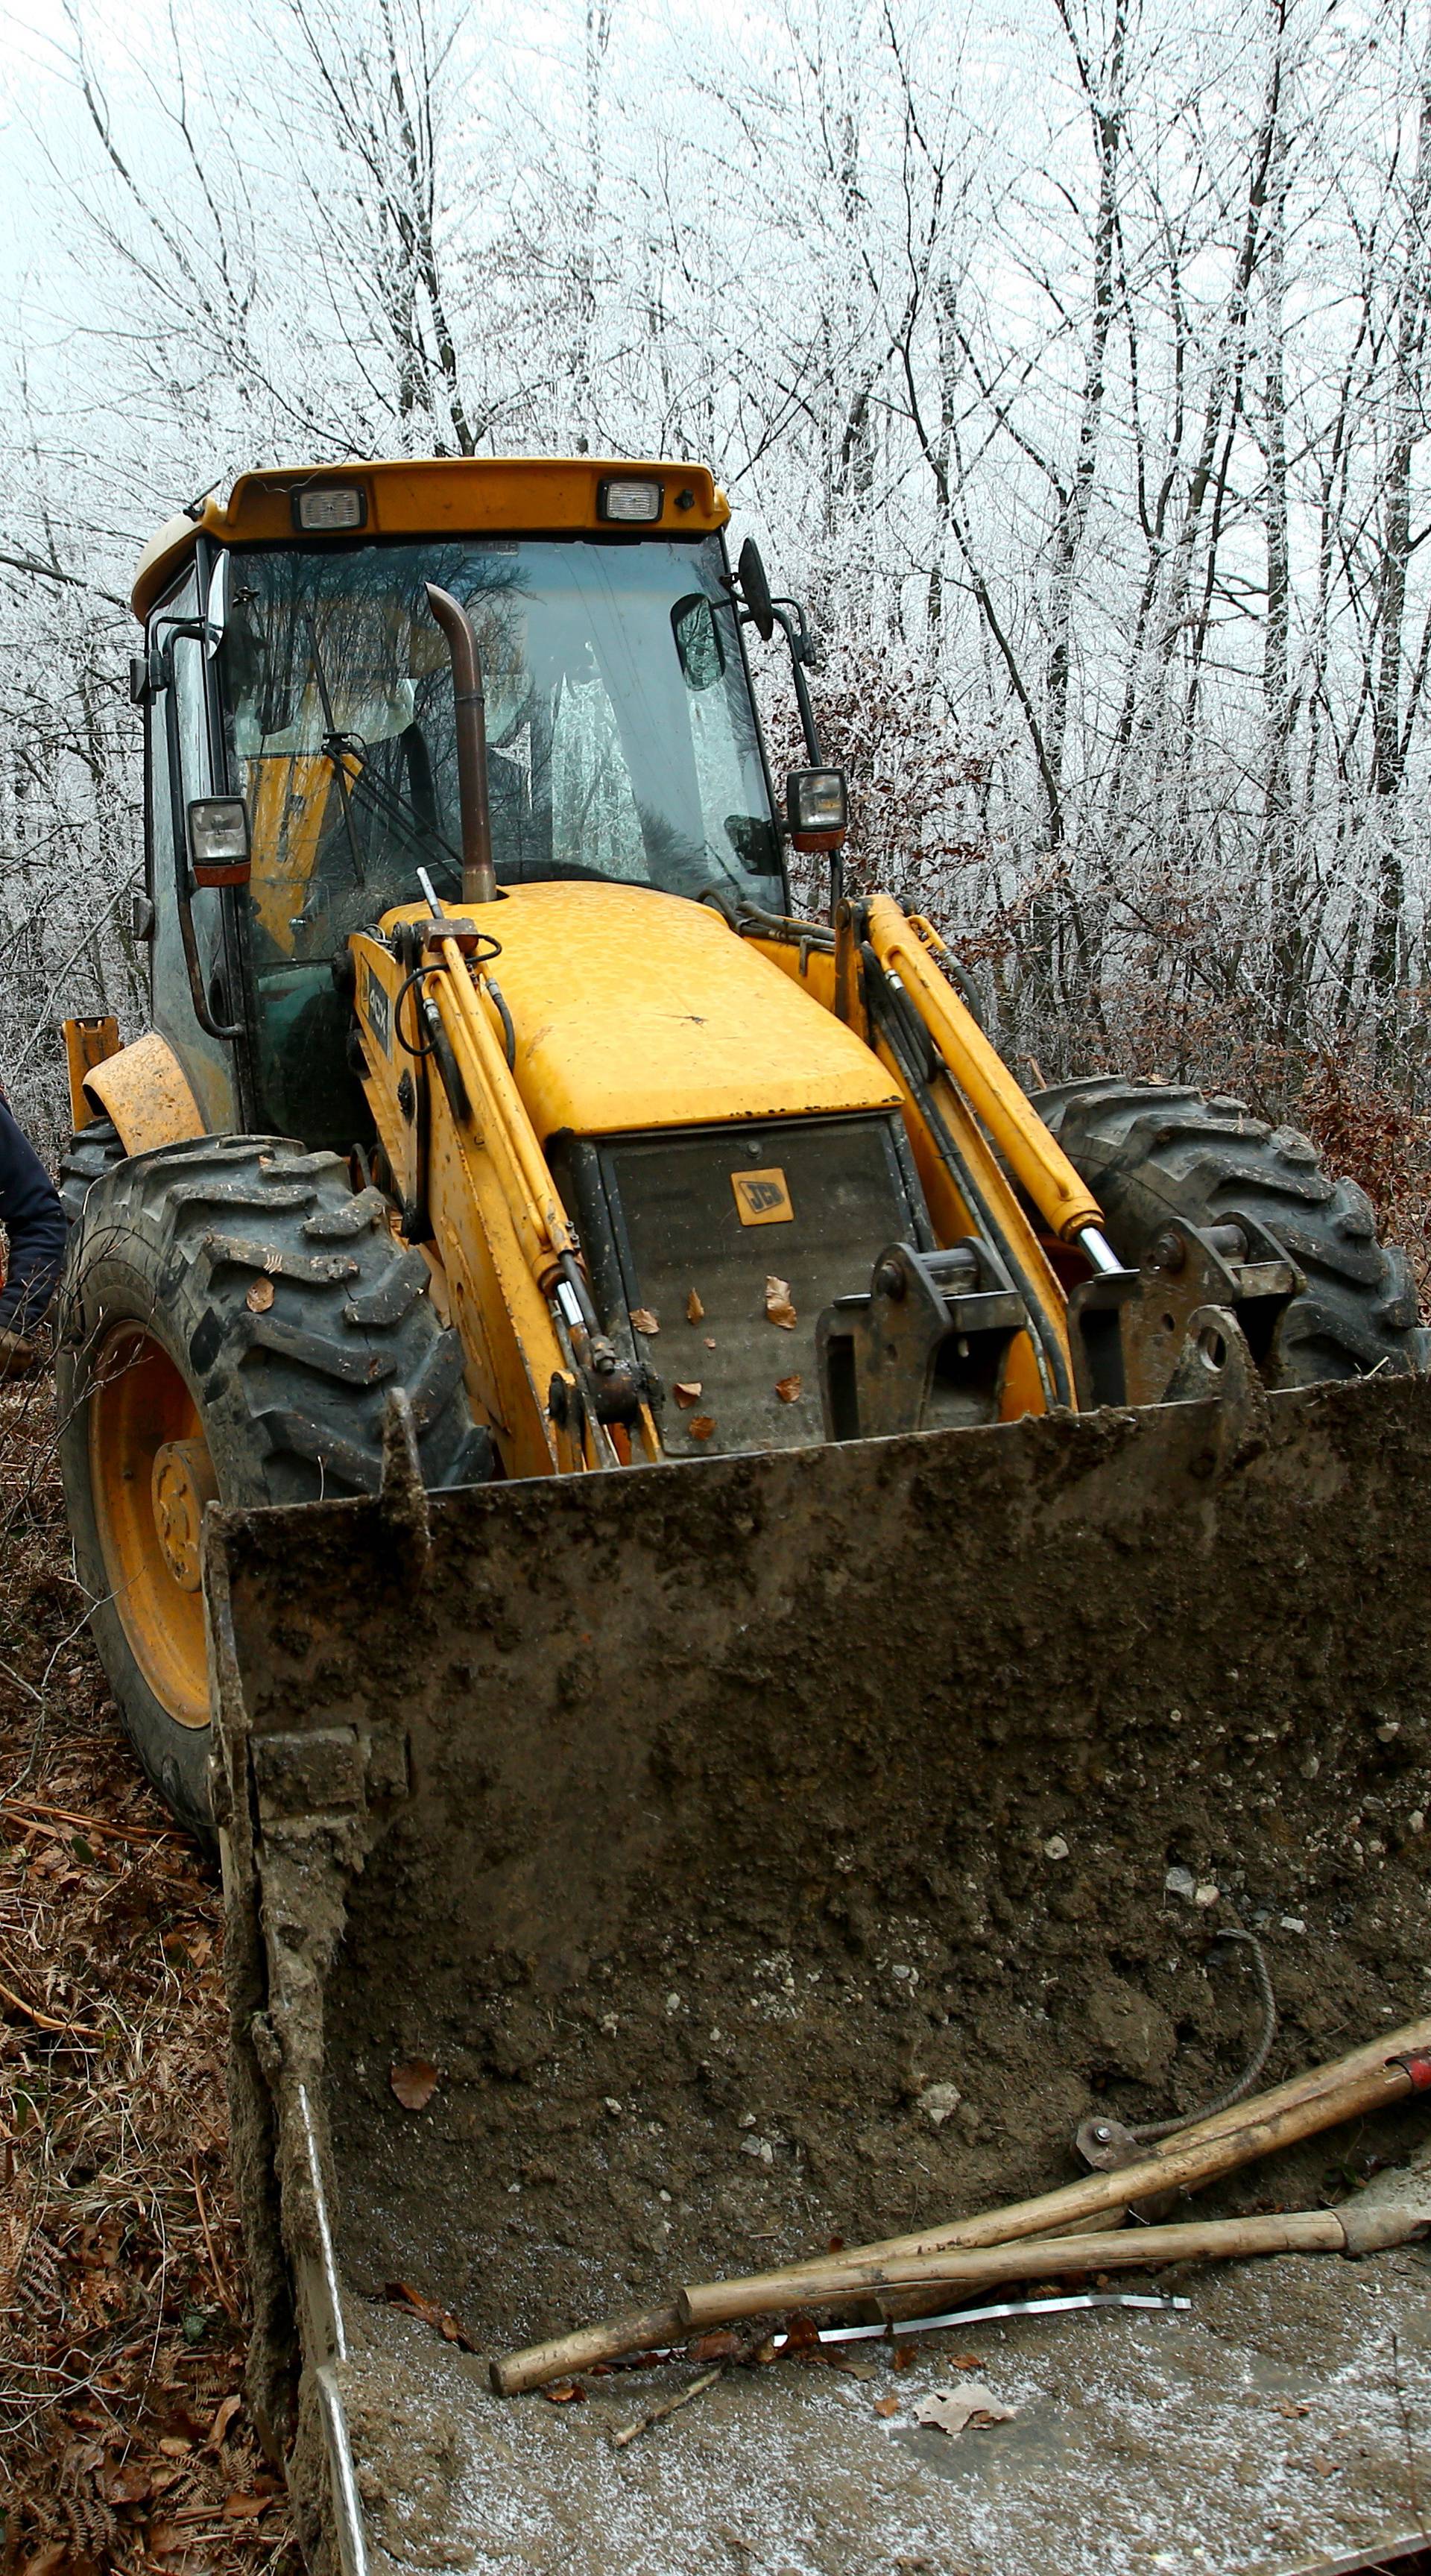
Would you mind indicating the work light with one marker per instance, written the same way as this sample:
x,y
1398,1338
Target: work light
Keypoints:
x,y
218,840
628,500
816,807
330,508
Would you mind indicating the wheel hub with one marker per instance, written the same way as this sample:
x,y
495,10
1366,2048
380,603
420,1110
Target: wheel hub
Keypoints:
x,y
182,1482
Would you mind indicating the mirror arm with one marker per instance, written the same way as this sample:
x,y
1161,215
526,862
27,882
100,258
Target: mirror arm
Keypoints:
x,y
794,637
179,832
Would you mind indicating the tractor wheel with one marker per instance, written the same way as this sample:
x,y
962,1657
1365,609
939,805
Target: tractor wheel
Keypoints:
x,y
92,1151
232,1321
1151,1152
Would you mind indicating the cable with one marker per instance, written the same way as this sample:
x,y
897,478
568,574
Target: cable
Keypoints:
x,y
1164,2128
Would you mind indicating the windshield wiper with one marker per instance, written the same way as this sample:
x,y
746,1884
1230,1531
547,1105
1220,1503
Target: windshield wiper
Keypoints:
x,y
335,745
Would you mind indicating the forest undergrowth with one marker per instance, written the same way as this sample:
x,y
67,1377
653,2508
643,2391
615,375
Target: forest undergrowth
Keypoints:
x,y
124,2442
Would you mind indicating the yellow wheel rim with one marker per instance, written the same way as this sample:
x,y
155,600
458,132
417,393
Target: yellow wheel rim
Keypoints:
x,y
150,1476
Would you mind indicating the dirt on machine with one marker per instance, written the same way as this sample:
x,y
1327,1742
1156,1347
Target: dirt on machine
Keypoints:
x,y
807,1669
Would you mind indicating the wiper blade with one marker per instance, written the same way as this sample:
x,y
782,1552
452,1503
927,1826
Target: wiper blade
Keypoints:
x,y
336,746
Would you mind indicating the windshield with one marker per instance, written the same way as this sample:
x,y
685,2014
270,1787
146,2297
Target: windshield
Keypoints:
x,y
620,734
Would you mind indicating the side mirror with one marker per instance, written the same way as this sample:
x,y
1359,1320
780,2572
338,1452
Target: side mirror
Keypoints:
x,y
750,573
218,841
699,649
817,808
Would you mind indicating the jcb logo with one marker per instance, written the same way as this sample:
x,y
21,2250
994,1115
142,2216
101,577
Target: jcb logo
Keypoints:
x,y
761,1198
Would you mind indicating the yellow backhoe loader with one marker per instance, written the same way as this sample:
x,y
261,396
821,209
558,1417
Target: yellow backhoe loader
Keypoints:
x,y
754,1612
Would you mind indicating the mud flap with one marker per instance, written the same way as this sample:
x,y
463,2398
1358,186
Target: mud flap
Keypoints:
x,y
676,1818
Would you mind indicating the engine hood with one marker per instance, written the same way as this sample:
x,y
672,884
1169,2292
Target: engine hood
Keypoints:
x,y
635,1009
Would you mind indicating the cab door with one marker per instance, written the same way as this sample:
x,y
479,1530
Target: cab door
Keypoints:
x,y
195,983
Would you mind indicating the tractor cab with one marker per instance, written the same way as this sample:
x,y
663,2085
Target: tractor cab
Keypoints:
x,y
303,735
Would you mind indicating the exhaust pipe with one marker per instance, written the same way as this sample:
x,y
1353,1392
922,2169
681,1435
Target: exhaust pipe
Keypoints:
x,y
479,876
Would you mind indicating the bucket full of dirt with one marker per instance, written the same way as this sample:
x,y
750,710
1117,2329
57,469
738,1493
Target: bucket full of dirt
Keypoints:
x,y
636,1879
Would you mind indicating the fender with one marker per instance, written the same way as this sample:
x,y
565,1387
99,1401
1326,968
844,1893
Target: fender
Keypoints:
x,y
146,1092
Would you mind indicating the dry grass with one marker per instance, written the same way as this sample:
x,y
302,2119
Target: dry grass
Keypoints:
x,y
123,2436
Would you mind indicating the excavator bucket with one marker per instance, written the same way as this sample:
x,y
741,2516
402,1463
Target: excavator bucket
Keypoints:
x,y
643,1877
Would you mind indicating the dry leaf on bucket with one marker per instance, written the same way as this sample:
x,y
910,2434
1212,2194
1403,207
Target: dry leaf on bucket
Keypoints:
x,y
788,1389
702,1425
694,1309
777,1304
687,1391
643,1320
260,1296
949,2410
414,2082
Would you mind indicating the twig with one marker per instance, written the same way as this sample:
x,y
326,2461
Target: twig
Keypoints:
x,y
45,2021
226,2298
1412,2481
668,2406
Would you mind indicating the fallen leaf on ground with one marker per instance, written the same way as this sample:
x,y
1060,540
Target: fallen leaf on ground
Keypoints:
x,y
720,2345
886,2406
949,2410
963,2361
778,1307
243,2505
401,2294
695,1311
788,1389
902,2355
1322,2464
174,2447
702,1425
801,2332
564,2392
1289,2406
223,2417
260,1296
125,2482
710,1346
687,1391
414,2082
643,1320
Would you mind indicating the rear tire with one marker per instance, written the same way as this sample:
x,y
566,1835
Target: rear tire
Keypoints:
x,y
1151,1152
232,1321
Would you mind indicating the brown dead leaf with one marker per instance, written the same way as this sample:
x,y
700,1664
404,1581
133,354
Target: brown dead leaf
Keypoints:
x,y
1289,2406
801,2332
564,2392
835,2245
710,1346
886,2406
125,2482
687,1391
778,1307
260,1296
174,2447
963,2361
643,1320
949,2410
695,1311
401,2294
414,2082
1322,2464
223,2417
702,1425
719,2345
902,2355
244,2506
788,1388
162,2540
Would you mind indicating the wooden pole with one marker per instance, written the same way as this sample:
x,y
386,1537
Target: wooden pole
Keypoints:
x,y
836,2282
1370,2079
1366,2079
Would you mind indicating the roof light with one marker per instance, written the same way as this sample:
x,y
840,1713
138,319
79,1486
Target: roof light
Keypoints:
x,y
328,509
628,501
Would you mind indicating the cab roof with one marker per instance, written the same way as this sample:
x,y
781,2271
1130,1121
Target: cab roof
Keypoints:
x,y
433,496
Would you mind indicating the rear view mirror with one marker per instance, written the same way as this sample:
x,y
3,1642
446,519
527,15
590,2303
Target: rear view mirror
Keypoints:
x,y
750,573
698,646
218,840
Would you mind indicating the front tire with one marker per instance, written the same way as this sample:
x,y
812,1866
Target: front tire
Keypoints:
x,y
1152,1152
232,1320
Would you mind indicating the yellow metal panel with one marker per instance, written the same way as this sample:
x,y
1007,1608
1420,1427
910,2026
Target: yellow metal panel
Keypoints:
x,y
88,1042
145,1090
635,1009
437,496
